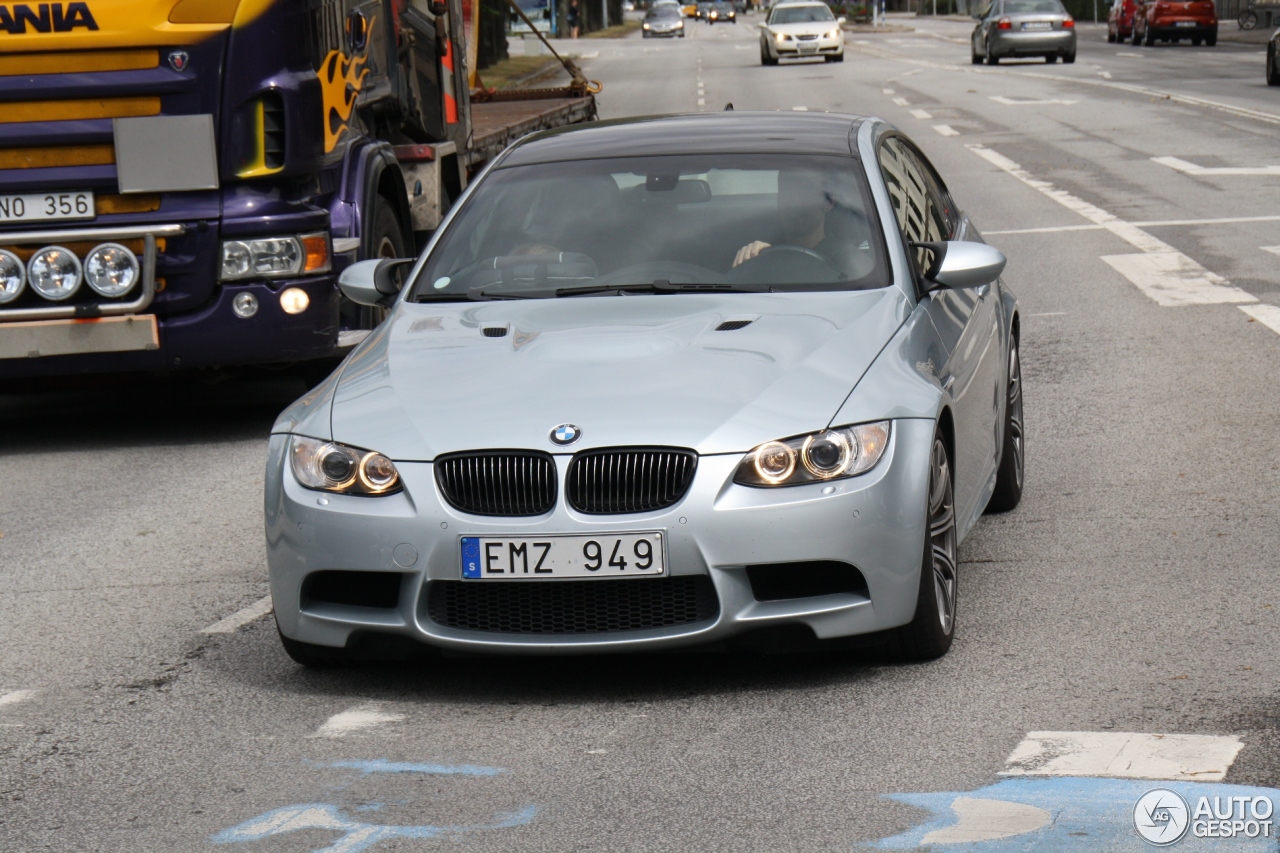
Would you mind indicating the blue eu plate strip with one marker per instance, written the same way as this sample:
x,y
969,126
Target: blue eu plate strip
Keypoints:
x,y
471,556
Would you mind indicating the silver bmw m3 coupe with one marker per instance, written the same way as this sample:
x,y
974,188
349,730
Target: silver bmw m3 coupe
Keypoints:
x,y
654,383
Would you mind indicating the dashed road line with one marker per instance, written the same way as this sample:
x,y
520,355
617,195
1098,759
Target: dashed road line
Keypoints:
x,y
1266,314
354,720
1275,250
1124,755
1027,102
946,130
1154,223
902,102
1193,169
1161,272
240,618
13,697
923,115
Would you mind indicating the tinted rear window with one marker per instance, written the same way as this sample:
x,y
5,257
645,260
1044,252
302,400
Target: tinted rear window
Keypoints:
x,y
1033,7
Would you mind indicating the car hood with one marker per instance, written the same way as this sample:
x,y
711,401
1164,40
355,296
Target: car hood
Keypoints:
x,y
808,28
626,370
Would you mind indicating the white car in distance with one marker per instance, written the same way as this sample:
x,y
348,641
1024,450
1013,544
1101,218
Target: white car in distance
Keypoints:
x,y
801,31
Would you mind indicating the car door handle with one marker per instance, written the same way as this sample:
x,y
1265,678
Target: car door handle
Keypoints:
x,y
948,382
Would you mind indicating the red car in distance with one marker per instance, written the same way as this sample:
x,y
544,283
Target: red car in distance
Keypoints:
x,y
1120,20
1159,20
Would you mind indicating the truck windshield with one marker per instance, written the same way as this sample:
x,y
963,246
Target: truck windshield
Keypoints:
x,y
774,222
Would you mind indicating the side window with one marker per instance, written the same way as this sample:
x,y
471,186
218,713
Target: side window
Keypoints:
x,y
942,205
916,210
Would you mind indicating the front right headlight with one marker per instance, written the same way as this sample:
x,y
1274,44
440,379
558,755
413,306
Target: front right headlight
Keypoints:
x,y
814,458
783,37
332,467
275,257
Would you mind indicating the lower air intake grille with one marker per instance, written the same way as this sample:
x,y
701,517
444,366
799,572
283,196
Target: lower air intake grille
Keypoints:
x,y
498,482
622,480
572,607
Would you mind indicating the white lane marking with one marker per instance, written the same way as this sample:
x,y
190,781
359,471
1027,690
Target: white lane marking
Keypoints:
x,y
1193,169
253,612
1275,250
1189,100
1124,755
1136,55
1173,279
1161,272
13,697
355,719
922,114
987,820
1267,315
1106,75
946,130
902,102
1050,314
702,102
1023,102
800,109
888,91
1154,223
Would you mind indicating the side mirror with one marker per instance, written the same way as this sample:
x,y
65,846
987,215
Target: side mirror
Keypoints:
x,y
762,25
957,264
839,20
375,282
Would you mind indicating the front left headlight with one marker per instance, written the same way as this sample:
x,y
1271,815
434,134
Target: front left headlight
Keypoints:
x,y
815,458
275,257
332,467
782,37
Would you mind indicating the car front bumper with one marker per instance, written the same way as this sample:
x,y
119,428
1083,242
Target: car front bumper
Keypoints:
x,y
791,49
874,522
1033,43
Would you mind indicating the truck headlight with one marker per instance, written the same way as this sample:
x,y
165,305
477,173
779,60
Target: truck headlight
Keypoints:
x,y
54,273
827,455
111,270
13,276
275,257
332,467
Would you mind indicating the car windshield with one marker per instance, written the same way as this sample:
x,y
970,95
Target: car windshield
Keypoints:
x,y
722,7
800,15
663,12
776,222
1027,7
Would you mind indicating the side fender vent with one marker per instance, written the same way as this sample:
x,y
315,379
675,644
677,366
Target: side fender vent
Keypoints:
x,y
733,325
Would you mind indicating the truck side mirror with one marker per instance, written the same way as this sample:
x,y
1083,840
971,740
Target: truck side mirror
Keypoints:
x,y
958,265
374,282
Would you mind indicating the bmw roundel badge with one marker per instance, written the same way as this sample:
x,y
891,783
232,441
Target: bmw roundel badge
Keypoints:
x,y
565,434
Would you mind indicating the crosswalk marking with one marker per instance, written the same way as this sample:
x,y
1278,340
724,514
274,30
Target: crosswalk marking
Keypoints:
x,y
946,130
1193,169
1124,755
1267,315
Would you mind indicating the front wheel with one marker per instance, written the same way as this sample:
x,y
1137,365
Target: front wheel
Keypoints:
x,y
1009,476
930,632
1273,66
1150,40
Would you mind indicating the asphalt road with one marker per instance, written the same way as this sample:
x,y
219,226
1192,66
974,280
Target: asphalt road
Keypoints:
x,y
1134,590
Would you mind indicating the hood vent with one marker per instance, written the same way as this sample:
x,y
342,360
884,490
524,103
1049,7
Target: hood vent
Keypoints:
x,y
733,325
495,331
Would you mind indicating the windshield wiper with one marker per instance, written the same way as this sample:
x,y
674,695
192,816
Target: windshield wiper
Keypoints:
x,y
663,286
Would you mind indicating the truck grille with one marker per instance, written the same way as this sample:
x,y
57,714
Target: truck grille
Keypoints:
x,y
623,480
572,607
498,482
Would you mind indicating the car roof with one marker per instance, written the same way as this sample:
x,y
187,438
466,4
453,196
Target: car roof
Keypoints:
x,y
729,132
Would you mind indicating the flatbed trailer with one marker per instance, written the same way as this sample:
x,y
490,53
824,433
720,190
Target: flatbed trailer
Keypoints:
x,y
181,183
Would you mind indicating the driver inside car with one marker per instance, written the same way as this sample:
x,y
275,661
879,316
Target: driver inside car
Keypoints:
x,y
803,204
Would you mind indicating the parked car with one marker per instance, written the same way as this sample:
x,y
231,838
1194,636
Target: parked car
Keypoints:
x,y
801,31
722,13
1273,60
1157,20
663,22
1024,28
1120,20
660,382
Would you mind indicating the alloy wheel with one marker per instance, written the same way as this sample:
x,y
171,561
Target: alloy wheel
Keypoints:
x,y
1015,412
942,535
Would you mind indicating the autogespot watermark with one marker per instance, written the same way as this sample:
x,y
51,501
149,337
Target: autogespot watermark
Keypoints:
x,y
1162,817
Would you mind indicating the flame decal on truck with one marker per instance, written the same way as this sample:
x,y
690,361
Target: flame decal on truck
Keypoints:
x,y
340,82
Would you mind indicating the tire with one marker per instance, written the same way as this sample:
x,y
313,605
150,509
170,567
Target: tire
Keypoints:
x,y
1211,39
1011,473
1051,58
1137,39
765,58
929,633
384,239
1070,58
1273,66
976,58
992,59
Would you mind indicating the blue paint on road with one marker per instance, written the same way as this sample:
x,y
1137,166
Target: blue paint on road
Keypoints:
x,y
381,765
356,835
1086,815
